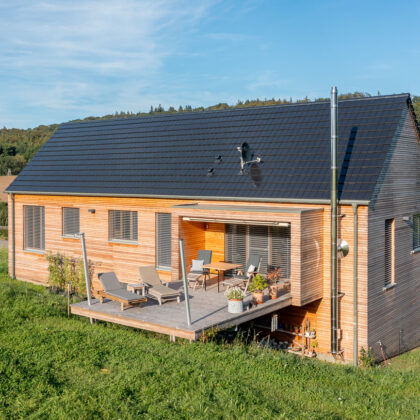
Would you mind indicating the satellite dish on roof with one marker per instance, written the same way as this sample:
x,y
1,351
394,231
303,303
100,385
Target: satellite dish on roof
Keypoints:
x,y
247,157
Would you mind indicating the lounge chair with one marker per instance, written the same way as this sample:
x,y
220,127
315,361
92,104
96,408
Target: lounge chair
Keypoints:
x,y
242,278
199,273
155,289
114,290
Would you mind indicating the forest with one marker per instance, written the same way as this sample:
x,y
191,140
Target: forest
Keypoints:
x,y
18,146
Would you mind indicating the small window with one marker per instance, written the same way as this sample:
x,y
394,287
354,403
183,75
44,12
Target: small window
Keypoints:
x,y
416,231
122,226
163,240
389,252
71,221
34,228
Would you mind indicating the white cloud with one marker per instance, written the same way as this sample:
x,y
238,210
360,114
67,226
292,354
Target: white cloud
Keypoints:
x,y
85,55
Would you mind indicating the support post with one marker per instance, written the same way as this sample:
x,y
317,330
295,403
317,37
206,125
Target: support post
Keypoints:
x,y
86,269
184,279
12,239
355,262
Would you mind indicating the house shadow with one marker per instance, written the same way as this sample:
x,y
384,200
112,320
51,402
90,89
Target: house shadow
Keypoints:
x,y
346,161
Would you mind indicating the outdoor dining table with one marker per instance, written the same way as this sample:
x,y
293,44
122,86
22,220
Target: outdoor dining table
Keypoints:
x,y
221,267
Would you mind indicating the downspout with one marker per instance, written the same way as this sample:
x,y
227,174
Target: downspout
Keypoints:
x,y
12,239
334,294
355,250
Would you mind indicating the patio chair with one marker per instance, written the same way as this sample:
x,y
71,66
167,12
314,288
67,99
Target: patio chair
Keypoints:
x,y
198,273
114,290
242,278
155,289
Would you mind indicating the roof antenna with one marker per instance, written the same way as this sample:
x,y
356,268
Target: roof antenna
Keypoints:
x,y
247,157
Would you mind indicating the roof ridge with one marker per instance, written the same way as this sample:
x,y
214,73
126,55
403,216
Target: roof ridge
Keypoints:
x,y
235,109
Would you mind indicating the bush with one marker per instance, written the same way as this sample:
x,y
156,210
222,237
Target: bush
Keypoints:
x,y
3,214
64,270
366,357
258,283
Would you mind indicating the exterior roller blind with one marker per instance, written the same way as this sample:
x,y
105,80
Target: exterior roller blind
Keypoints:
x,y
389,252
416,231
235,244
271,243
280,250
71,221
258,244
34,227
163,240
122,225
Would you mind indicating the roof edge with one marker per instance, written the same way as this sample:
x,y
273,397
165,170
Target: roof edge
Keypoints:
x,y
187,197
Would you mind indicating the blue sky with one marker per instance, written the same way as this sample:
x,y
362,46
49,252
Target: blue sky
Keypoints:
x,y
61,60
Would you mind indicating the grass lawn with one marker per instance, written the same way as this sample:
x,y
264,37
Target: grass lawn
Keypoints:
x,y
55,367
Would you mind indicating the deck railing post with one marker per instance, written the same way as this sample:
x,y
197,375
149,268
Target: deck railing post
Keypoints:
x,y
184,279
86,269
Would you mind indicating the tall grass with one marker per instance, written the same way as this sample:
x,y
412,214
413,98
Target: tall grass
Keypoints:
x,y
54,367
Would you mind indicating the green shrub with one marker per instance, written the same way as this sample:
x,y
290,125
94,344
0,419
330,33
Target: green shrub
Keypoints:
x,y
258,283
3,214
64,270
366,357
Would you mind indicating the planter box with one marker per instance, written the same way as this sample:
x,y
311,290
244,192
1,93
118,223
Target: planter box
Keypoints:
x,y
235,306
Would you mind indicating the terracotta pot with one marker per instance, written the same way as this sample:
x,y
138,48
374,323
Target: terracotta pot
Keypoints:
x,y
258,297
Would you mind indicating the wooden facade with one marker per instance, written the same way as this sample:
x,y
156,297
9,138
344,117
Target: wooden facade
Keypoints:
x,y
310,232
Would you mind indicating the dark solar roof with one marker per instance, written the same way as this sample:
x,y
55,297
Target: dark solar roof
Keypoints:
x,y
169,155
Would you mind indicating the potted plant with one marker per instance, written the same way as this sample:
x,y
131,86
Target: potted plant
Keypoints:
x,y
235,300
314,345
257,286
273,276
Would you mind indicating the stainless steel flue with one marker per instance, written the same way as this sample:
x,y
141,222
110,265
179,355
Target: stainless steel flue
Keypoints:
x,y
334,293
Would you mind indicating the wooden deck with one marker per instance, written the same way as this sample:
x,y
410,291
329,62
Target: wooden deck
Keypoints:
x,y
208,310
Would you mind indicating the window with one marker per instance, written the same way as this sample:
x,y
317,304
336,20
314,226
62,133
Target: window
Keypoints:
x,y
416,231
122,226
389,252
71,221
272,243
163,240
34,227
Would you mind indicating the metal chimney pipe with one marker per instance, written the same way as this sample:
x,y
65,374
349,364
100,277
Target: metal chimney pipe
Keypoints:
x,y
334,294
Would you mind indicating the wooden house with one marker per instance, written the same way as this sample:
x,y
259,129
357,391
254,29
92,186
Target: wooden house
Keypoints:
x,y
136,186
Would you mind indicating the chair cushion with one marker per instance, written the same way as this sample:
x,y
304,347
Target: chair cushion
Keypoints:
x,y
197,265
251,269
109,281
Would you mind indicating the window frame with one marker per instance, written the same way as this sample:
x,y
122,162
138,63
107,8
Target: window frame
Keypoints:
x,y
389,251
134,232
41,249
157,232
69,235
416,232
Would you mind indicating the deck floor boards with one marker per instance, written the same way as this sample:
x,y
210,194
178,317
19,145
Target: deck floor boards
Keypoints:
x,y
208,309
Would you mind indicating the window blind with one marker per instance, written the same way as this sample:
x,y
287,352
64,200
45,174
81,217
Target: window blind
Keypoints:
x,y
271,243
163,240
280,250
258,237
416,231
34,227
235,244
71,221
389,252
122,225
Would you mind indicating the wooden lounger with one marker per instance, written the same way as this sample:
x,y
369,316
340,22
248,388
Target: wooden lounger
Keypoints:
x,y
114,290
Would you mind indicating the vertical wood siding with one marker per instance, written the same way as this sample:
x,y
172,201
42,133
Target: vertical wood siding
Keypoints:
x,y
393,313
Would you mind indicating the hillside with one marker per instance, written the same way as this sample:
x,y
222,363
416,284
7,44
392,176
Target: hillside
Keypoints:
x,y
18,146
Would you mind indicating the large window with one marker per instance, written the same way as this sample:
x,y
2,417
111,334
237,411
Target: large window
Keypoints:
x,y
416,231
34,228
122,226
71,221
272,243
389,252
163,241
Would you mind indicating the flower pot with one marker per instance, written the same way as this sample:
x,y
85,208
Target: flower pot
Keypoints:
x,y
258,297
235,306
273,292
